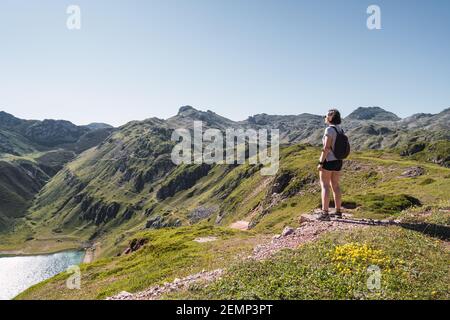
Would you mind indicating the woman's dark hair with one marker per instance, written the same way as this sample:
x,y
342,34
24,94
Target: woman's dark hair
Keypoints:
x,y
335,116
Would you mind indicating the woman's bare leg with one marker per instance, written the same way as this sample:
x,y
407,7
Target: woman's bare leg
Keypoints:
x,y
335,176
325,180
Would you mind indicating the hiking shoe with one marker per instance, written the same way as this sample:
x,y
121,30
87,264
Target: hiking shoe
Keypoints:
x,y
337,214
323,216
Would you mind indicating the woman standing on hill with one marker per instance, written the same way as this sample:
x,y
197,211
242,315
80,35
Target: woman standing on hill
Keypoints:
x,y
330,166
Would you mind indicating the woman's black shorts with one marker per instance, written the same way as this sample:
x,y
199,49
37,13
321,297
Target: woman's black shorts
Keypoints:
x,y
333,165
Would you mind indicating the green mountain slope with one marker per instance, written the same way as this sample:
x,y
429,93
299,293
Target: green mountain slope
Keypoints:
x,y
20,181
31,152
375,184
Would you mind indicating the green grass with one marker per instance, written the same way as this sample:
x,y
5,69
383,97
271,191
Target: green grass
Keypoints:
x,y
169,253
412,266
437,214
382,204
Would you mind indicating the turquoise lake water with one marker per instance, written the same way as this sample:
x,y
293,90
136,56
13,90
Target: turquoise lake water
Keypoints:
x,y
21,272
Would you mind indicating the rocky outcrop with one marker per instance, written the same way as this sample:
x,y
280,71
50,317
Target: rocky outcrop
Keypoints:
x,y
161,166
413,148
157,170
128,213
413,172
184,180
230,185
135,245
285,185
281,182
289,183
100,212
138,183
299,184
201,213
159,222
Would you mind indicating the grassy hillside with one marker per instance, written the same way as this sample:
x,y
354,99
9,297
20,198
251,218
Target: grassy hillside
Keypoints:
x,y
13,143
103,206
31,152
170,253
376,184
412,266
20,180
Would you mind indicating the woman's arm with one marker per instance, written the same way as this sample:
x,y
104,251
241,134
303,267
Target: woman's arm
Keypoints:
x,y
325,151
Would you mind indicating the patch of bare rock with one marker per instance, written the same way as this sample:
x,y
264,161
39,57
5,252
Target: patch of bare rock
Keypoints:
x,y
413,172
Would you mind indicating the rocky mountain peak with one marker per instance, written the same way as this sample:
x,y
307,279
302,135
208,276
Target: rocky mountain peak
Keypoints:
x,y
98,126
445,111
372,113
186,110
52,132
8,120
187,114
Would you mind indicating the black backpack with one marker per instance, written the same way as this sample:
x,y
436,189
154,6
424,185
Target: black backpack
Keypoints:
x,y
341,145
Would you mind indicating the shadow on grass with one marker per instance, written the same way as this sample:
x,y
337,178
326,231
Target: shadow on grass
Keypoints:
x,y
433,230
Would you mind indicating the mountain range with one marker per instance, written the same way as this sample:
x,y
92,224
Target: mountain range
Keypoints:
x,y
59,179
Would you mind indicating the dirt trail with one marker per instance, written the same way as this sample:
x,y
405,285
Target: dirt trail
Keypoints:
x,y
89,255
307,232
92,253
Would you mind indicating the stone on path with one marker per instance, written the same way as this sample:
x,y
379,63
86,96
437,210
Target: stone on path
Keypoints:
x,y
287,231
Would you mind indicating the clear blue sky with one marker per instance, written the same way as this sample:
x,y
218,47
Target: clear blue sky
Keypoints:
x,y
138,59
